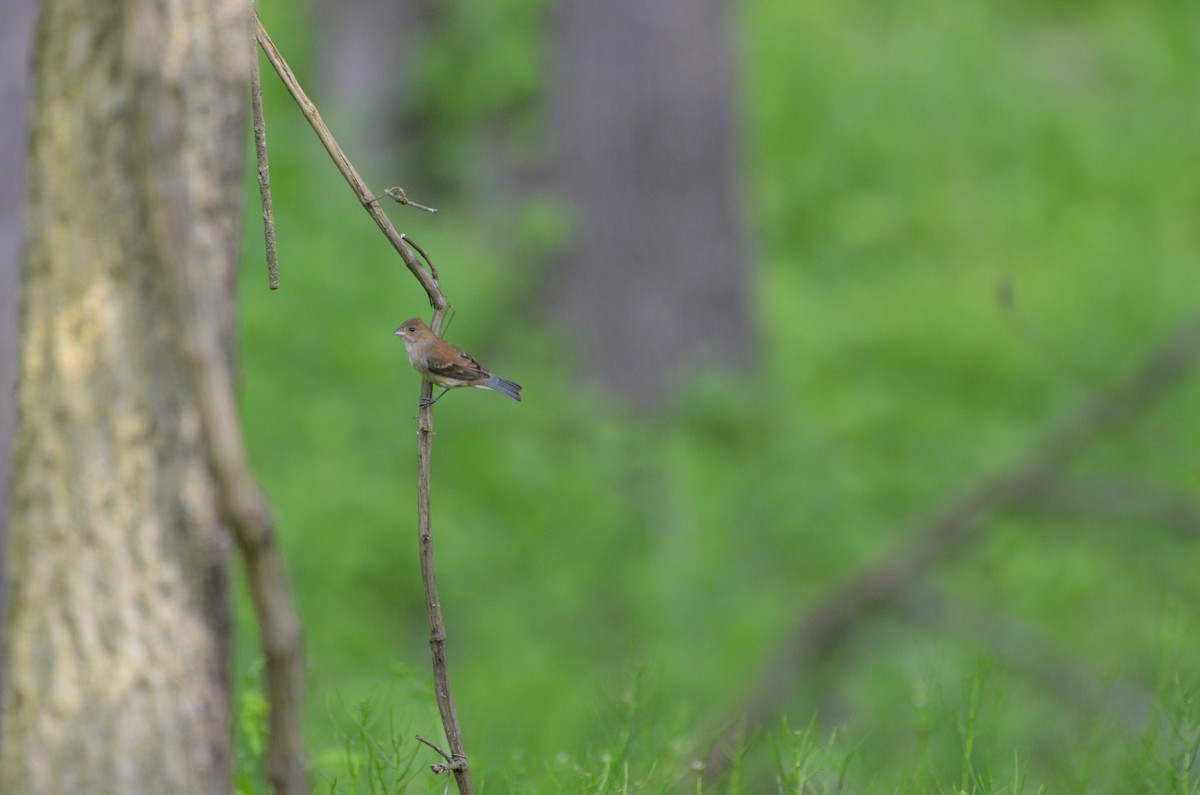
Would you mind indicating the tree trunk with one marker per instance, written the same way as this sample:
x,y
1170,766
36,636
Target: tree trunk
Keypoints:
x,y
15,37
363,52
118,621
643,117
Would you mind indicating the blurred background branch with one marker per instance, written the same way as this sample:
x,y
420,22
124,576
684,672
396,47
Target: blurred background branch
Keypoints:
x,y
841,613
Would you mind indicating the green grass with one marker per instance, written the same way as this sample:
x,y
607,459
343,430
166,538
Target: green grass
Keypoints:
x,y
649,746
900,162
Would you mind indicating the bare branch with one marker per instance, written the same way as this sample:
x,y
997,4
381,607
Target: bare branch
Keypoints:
x,y
369,203
264,173
398,195
435,747
840,613
245,509
437,627
433,271
457,760
1117,499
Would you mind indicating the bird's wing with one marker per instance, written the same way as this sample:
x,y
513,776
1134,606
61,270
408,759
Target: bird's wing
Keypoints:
x,y
461,367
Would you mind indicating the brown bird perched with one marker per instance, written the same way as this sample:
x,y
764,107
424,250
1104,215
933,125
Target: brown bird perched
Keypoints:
x,y
446,365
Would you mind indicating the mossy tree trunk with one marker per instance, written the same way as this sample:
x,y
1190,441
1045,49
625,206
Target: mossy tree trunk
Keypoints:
x,y
118,623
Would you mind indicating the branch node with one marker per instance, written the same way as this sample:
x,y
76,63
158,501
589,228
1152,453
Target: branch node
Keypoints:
x,y
398,195
452,764
459,763
435,747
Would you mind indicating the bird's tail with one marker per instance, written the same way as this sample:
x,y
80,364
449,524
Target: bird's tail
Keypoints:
x,y
506,387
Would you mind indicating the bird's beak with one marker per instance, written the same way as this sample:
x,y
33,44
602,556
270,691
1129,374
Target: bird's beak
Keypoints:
x,y
399,332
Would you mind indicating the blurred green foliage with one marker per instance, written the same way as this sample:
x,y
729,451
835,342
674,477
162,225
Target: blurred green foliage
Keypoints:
x,y
901,160
478,78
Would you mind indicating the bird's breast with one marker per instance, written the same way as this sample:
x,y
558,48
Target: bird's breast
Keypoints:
x,y
414,358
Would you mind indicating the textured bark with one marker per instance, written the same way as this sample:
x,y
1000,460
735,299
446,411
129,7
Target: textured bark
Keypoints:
x,y
656,278
15,37
117,626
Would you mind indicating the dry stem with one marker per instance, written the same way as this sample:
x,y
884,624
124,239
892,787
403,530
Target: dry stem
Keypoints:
x,y
369,203
457,758
264,172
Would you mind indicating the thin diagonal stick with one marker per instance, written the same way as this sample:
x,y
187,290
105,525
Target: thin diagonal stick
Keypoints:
x,y
432,289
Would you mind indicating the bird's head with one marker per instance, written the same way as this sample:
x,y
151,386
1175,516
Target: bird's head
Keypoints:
x,y
413,330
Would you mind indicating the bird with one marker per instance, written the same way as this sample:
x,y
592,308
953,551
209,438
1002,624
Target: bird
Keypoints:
x,y
447,365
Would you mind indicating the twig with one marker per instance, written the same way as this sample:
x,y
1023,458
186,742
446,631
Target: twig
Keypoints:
x,y
264,173
398,195
836,617
428,279
432,289
245,509
437,627
451,762
433,271
435,747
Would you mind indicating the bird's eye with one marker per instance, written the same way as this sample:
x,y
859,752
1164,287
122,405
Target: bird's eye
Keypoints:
x,y
412,329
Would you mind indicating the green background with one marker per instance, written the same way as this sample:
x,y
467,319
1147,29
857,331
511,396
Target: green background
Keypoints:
x,y
614,577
